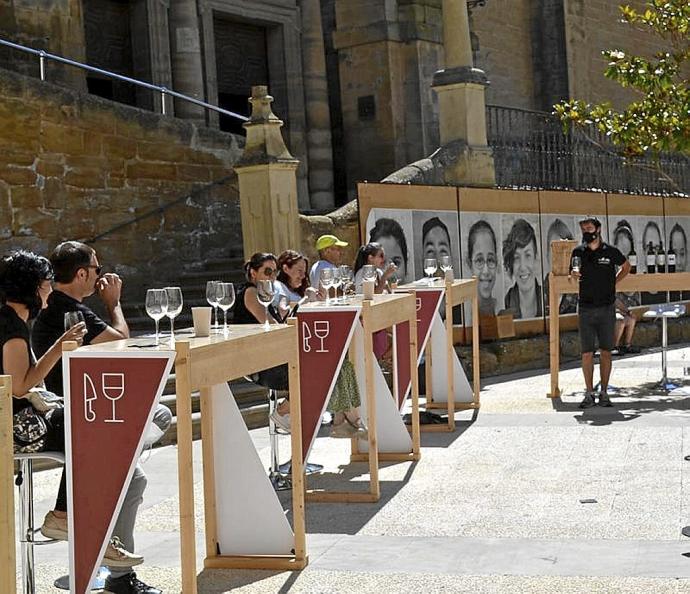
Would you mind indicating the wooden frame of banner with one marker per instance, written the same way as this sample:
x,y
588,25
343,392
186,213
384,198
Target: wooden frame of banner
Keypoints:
x,y
205,362
382,312
8,561
677,281
457,292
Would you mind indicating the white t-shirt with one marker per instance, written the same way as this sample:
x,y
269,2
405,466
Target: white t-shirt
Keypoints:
x,y
283,289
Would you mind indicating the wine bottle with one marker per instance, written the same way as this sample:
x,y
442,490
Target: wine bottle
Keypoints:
x,y
661,259
671,260
632,258
651,259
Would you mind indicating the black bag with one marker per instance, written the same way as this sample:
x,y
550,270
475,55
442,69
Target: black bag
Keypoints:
x,y
30,431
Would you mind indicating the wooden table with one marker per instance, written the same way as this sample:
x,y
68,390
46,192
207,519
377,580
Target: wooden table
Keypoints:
x,y
383,312
558,285
8,562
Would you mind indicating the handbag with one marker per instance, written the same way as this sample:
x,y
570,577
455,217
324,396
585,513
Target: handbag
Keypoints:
x,y
30,431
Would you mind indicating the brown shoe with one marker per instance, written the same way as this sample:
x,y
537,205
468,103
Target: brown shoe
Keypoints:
x,y
54,527
117,556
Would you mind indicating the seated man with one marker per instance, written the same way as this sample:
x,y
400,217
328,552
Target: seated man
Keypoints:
x,y
78,275
625,327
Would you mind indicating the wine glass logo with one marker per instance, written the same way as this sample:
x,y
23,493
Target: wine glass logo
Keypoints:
x,y
89,396
113,390
322,328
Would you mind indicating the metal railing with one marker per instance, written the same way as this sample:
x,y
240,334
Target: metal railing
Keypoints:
x,y
531,150
164,91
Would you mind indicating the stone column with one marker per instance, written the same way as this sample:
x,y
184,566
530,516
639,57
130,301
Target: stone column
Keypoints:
x,y
267,174
185,50
462,104
319,147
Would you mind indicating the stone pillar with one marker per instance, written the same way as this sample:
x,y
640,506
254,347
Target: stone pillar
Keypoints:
x,y
267,174
319,147
462,104
185,50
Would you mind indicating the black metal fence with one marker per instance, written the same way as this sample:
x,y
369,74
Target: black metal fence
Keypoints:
x,y
531,150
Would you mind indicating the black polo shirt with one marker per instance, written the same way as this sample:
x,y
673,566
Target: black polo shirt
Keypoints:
x,y
598,274
50,325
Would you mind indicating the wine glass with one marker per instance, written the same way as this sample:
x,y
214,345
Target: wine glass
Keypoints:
x,y
156,307
445,263
346,277
265,291
212,299
326,281
337,281
113,389
174,308
72,318
225,297
430,268
576,264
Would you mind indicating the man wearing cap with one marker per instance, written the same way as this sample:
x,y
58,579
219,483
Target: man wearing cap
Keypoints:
x,y
330,250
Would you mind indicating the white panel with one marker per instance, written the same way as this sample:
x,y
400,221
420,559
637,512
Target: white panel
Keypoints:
x,y
439,366
250,518
391,433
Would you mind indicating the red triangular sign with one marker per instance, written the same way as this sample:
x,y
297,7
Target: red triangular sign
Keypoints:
x,y
324,336
110,403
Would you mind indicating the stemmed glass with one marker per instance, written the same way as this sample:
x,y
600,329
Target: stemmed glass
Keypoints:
x,y
174,308
337,281
445,264
156,306
327,282
346,277
72,318
430,268
225,297
265,291
211,297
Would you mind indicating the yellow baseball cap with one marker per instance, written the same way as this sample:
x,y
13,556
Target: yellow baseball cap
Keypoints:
x,y
326,241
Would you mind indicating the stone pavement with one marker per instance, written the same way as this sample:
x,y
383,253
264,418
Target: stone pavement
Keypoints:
x,y
496,507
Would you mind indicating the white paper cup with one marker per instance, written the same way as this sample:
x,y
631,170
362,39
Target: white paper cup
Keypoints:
x,y
202,320
368,289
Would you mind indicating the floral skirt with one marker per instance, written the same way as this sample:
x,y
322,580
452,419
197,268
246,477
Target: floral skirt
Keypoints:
x,y
346,392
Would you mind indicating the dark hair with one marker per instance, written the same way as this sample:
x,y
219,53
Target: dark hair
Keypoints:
x,y
289,258
520,236
623,228
431,224
21,275
476,228
68,257
257,261
363,253
590,219
390,228
678,229
559,228
652,225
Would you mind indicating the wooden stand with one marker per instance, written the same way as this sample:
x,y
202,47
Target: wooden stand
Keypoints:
x,y
205,362
380,313
8,562
456,292
558,285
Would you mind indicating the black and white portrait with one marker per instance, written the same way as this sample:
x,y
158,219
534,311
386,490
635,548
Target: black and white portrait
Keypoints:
x,y
557,227
435,234
393,230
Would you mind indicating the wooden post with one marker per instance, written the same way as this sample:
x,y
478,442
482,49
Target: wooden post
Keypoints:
x,y
370,386
428,372
554,338
8,562
476,379
209,466
183,390
450,348
414,376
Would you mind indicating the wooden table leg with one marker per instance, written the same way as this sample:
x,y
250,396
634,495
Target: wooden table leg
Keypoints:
x,y
209,469
8,562
450,355
414,376
554,338
476,376
370,386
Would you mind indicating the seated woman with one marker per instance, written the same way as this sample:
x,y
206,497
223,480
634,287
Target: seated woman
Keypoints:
x,y
25,283
373,254
293,282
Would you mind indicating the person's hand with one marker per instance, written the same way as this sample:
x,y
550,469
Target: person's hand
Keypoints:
x,y
390,271
575,275
311,294
76,333
109,288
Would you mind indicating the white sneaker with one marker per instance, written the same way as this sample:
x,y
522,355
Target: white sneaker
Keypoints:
x,y
281,421
117,556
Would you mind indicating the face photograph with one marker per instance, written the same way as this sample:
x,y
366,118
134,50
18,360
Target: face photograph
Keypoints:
x,y
393,230
556,227
435,234
678,229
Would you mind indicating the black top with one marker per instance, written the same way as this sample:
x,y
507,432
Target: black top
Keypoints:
x,y
50,325
12,326
241,315
598,274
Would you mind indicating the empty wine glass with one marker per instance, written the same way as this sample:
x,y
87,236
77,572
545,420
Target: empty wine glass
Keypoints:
x,y
576,264
326,281
225,297
265,291
445,263
174,308
156,306
72,318
337,281
213,300
430,268
346,277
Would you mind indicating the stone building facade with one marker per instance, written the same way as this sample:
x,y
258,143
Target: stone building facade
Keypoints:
x,y
351,78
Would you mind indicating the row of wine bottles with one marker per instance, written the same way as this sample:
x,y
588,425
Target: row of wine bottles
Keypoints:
x,y
657,259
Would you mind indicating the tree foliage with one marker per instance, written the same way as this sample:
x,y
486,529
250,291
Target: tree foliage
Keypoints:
x,y
658,120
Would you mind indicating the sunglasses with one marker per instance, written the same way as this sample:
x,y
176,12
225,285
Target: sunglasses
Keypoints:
x,y
269,271
98,269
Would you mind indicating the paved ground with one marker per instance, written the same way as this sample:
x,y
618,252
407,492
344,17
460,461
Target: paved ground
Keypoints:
x,y
496,507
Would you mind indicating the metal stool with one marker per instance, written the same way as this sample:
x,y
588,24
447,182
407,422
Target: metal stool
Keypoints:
x,y
665,311
27,530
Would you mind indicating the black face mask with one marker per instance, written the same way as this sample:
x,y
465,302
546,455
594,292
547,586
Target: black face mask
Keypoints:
x,y
589,236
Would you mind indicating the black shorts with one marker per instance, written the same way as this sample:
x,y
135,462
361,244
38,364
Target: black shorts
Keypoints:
x,y
597,323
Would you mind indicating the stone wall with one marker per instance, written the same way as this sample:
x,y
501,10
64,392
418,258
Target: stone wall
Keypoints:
x,y
74,166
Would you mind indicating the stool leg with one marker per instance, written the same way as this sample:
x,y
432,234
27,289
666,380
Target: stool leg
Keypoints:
x,y
26,522
664,344
279,481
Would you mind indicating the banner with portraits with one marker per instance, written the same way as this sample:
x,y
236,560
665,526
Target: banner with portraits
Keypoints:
x,y
503,238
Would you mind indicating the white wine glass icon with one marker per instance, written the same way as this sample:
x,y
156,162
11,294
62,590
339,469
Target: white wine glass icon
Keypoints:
x,y
322,329
113,390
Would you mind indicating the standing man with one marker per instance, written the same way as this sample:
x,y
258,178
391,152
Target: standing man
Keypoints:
x,y
78,275
597,297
